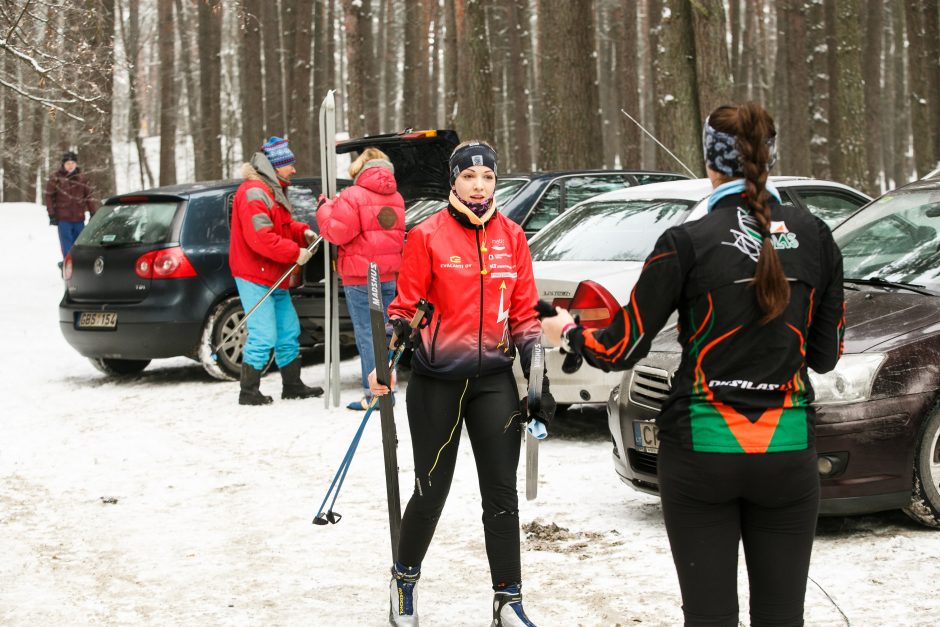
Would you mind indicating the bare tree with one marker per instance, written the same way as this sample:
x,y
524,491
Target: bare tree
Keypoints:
x,y
629,61
871,70
569,125
846,98
97,35
208,139
274,100
793,54
932,71
678,119
167,90
918,69
712,66
358,59
252,81
300,119
130,35
518,80
476,118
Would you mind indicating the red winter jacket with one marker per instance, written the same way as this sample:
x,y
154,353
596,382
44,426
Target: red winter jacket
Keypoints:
x,y
479,320
265,238
367,222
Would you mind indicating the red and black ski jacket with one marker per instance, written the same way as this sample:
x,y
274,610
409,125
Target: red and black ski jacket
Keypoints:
x,y
479,279
742,386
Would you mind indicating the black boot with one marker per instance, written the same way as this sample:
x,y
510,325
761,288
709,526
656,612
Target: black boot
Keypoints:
x,y
251,388
293,386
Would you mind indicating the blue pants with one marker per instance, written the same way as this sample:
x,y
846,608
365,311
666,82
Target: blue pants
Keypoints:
x,y
68,233
357,301
273,326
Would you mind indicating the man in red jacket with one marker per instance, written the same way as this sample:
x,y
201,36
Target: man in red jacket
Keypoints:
x,y
265,242
68,197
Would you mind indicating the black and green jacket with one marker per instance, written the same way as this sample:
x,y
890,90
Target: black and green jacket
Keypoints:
x,y
741,386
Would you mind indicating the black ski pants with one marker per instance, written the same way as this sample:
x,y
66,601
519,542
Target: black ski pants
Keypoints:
x,y
714,501
437,409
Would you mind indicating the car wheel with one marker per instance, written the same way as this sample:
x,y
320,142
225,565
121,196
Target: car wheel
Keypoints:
x,y
119,367
925,498
220,351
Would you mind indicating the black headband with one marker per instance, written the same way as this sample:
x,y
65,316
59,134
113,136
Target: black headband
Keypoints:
x,y
470,155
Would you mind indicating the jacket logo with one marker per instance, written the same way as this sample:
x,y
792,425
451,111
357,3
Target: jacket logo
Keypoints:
x,y
387,218
455,259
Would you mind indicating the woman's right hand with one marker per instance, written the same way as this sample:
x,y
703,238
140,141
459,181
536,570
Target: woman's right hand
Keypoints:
x,y
378,389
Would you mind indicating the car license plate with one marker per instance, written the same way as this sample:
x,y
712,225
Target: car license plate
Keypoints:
x,y
97,320
646,436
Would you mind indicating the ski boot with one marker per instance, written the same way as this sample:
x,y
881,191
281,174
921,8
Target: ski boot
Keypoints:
x,y
507,608
403,611
293,386
250,393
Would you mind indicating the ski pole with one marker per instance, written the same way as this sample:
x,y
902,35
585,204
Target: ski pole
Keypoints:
x,y
312,247
421,319
331,516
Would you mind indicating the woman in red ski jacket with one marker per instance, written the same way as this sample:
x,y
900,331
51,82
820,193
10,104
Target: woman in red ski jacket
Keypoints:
x,y
473,265
367,222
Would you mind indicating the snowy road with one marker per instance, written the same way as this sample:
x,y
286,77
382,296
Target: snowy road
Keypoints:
x,y
160,501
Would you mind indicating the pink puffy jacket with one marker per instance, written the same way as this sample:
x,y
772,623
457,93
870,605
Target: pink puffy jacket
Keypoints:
x,y
367,222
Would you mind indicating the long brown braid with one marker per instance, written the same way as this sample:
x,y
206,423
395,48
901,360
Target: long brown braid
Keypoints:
x,y
754,127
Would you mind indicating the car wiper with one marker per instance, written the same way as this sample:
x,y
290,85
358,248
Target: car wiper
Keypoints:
x,y
880,282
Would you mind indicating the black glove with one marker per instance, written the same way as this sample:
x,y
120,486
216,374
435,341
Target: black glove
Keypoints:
x,y
547,410
403,333
53,221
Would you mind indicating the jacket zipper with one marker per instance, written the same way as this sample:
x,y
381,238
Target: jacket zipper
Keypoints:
x,y
480,328
437,327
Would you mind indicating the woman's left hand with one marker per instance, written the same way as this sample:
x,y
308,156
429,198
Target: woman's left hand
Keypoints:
x,y
552,326
377,388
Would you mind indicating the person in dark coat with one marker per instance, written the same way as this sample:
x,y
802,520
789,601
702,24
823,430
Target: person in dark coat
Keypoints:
x,y
68,197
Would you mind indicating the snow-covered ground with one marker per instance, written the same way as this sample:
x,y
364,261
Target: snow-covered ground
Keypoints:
x,y
160,501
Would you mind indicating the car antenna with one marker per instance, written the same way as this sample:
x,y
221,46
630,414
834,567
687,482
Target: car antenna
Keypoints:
x,y
660,144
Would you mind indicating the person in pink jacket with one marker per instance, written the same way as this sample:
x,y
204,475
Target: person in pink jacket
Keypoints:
x,y
367,222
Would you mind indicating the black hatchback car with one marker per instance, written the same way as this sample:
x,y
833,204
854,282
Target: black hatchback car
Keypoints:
x,y
149,278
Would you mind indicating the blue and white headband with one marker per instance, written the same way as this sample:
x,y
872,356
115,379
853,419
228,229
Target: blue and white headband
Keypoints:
x,y
721,153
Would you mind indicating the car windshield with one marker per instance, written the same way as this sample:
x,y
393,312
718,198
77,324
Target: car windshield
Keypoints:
x,y
894,239
621,230
419,210
507,188
129,224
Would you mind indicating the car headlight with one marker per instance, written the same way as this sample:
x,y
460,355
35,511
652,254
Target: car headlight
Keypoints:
x,y
849,382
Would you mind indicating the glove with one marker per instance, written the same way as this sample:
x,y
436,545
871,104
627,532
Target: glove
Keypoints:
x,y
403,333
310,236
53,221
547,410
303,256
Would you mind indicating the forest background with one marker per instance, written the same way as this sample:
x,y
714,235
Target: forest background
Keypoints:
x,y
171,91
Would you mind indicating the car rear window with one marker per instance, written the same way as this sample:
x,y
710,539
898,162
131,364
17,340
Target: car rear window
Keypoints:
x,y
129,224
624,230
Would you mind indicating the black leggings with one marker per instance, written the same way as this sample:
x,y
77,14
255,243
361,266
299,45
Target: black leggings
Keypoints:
x,y
437,409
713,501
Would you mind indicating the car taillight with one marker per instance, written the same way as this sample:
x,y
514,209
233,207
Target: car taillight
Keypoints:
x,y
166,263
594,304
67,267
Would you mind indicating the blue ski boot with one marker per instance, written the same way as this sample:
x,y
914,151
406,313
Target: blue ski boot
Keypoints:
x,y
507,608
403,611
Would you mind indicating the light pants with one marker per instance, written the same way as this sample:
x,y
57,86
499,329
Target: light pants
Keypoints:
x,y
274,325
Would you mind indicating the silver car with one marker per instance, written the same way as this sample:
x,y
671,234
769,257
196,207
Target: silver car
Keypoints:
x,y
588,258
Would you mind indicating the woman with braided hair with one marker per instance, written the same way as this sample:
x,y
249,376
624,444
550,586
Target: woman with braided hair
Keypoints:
x,y
758,290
